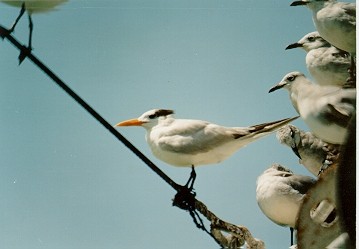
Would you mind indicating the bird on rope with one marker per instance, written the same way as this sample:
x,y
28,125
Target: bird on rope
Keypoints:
x,y
191,143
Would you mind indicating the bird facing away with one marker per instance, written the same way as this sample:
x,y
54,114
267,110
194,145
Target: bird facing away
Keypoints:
x,y
335,22
314,154
327,64
190,143
31,6
280,194
325,109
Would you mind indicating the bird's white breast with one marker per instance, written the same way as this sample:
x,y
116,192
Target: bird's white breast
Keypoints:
x,y
278,201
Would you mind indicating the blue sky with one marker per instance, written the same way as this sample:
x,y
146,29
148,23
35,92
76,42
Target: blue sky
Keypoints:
x,y
65,182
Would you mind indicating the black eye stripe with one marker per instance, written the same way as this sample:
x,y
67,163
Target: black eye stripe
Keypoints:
x,y
161,113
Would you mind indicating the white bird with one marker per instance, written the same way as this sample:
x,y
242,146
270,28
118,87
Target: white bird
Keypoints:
x,y
280,194
31,6
190,143
335,22
327,64
325,109
314,154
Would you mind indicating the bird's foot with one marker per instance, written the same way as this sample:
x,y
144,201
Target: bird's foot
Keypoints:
x,y
326,164
185,198
351,80
25,51
4,32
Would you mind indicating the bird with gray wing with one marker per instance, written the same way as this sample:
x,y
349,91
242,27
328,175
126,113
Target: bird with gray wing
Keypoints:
x,y
280,194
327,64
190,143
326,110
314,154
335,22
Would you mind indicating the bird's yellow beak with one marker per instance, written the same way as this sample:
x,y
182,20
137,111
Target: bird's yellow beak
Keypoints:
x,y
131,122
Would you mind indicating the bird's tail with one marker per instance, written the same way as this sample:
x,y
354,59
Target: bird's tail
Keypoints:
x,y
257,131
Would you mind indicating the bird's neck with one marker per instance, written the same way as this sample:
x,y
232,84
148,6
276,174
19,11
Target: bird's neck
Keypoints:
x,y
300,90
318,5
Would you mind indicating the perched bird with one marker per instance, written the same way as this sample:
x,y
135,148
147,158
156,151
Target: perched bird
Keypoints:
x,y
314,154
31,6
335,22
190,143
325,109
327,64
280,194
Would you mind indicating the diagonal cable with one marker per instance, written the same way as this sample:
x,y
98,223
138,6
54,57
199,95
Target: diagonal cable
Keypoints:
x,y
5,34
194,205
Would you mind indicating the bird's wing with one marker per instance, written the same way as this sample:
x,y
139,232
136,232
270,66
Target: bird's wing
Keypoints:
x,y
194,136
339,108
301,183
260,130
349,9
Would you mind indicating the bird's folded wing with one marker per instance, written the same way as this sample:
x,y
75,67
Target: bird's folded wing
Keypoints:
x,y
197,137
349,9
301,183
339,110
260,130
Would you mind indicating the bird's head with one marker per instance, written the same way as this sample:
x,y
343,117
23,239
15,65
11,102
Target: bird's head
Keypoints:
x,y
312,4
147,120
299,3
288,81
279,170
290,136
310,41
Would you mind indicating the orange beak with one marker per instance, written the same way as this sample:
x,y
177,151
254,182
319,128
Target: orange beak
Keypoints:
x,y
131,122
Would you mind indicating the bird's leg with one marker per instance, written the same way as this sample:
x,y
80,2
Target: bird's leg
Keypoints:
x,y
22,11
9,31
351,81
185,197
326,163
26,50
31,26
291,235
192,178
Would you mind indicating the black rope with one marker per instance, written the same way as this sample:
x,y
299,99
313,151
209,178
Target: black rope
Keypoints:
x,y
4,33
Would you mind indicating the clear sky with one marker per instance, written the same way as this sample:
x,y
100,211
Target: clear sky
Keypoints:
x,y
65,182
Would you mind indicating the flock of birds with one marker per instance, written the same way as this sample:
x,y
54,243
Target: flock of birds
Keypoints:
x,y
326,106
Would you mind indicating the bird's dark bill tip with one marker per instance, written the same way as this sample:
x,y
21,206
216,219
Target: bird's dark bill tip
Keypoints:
x,y
298,3
294,45
274,88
